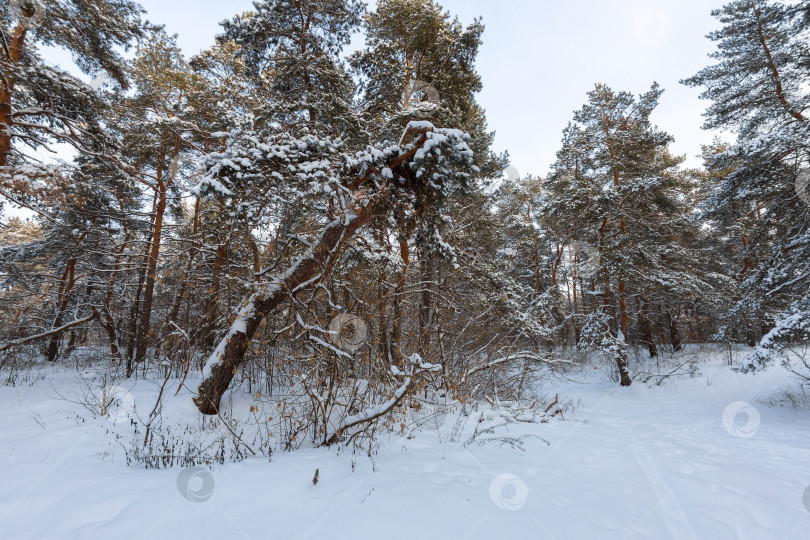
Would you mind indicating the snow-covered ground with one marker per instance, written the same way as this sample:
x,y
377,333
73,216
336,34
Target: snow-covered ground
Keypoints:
x,y
643,462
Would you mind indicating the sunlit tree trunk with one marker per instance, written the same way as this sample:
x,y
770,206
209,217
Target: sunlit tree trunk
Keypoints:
x,y
161,190
6,91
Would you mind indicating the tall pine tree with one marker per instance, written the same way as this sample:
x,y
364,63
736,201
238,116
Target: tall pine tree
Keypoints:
x,y
759,87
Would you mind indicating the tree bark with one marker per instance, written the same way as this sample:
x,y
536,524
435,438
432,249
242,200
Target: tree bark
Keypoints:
x,y
624,373
621,357
674,333
141,341
399,291
425,306
62,298
223,364
536,246
6,91
185,279
645,326
209,328
136,303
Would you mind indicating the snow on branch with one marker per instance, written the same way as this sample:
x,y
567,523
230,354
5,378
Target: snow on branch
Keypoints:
x,y
417,368
523,355
51,332
795,322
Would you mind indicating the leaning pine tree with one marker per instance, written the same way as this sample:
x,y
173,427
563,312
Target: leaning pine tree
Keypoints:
x,y
303,159
350,191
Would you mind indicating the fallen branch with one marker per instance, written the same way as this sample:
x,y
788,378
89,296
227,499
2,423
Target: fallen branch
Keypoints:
x,y
51,332
555,413
523,355
378,411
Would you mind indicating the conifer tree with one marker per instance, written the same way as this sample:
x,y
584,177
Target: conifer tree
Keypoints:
x,y
759,88
615,188
291,48
40,104
418,64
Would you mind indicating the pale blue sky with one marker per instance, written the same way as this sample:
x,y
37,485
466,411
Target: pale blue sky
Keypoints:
x,y
539,58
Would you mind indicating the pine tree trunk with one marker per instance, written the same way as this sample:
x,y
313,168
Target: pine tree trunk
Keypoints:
x,y
575,304
674,333
396,331
107,321
623,317
136,304
211,302
536,245
621,353
223,364
186,278
425,306
645,326
384,346
142,340
6,91
5,123
620,357
63,297
71,346
624,373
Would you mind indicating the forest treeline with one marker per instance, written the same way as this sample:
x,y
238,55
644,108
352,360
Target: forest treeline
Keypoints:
x,y
278,214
